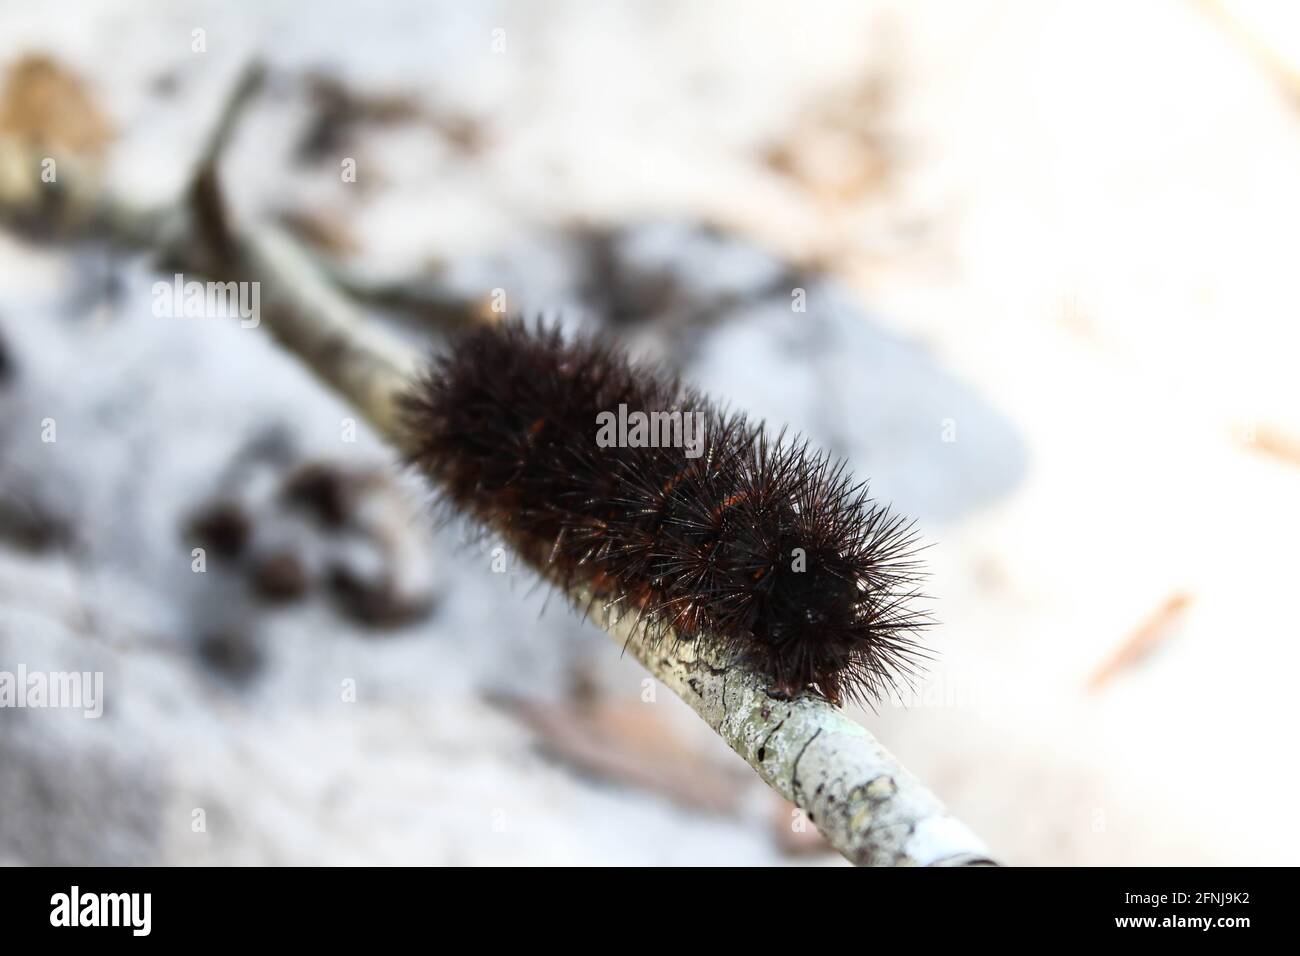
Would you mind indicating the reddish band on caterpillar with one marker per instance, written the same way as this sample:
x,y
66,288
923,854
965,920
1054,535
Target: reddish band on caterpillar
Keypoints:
x,y
741,537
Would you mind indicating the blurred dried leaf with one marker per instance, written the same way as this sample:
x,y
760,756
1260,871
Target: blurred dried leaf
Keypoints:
x,y
1251,32
627,744
840,150
50,108
1276,442
1154,630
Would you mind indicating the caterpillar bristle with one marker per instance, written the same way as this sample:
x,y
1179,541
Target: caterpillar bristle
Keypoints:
x,y
759,543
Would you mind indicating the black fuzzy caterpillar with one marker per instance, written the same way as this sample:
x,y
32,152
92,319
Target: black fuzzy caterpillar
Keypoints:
x,y
759,543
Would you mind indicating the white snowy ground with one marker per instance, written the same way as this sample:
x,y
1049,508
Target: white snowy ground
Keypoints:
x,y
1078,255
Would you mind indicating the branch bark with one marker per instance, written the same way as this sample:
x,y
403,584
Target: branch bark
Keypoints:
x,y
867,806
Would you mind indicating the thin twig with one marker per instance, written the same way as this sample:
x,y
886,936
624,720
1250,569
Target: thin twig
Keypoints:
x,y
1154,631
422,299
1256,46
